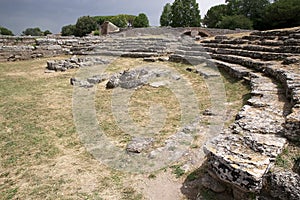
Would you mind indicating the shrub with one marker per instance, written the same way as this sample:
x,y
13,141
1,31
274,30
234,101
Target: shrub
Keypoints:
x,y
68,30
5,31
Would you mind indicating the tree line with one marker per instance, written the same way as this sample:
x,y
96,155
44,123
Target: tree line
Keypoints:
x,y
86,25
29,31
244,14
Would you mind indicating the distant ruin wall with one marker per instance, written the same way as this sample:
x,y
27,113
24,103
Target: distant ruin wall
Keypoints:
x,y
14,48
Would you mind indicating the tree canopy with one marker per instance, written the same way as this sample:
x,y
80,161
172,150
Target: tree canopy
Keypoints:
x,y
165,18
84,26
235,21
5,31
47,32
121,20
283,13
215,15
33,32
68,30
263,14
141,21
182,13
185,13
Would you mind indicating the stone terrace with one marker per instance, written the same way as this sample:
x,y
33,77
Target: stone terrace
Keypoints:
x,y
14,48
244,153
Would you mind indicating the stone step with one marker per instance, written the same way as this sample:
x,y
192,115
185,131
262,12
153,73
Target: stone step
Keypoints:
x,y
257,38
293,49
248,149
142,54
243,160
250,63
252,54
236,41
142,49
234,70
193,60
198,48
192,53
244,47
276,32
126,54
116,45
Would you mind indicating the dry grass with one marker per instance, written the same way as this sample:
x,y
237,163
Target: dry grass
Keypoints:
x,y
41,156
143,98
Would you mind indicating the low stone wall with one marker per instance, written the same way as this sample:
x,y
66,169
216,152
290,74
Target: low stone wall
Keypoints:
x,y
14,48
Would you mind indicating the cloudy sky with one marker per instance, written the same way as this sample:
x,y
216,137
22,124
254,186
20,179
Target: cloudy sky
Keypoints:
x,y
17,15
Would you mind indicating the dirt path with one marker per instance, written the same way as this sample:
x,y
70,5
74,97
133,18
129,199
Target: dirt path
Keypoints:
x,y
164,186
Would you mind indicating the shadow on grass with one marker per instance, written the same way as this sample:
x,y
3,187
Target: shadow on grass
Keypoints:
x,y
193,188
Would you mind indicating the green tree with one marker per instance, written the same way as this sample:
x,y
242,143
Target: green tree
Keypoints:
x,y
234,7
282,14
5,31
141,21
101,19
165,18
68,30
214,15
119,20
33,32
130,19
85,25
253,9
235,21
47,32
185,13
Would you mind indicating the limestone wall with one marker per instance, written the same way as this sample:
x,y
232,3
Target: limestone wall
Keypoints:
x,y
14,48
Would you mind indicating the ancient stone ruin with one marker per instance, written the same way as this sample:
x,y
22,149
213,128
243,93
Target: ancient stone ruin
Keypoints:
x,y
242,156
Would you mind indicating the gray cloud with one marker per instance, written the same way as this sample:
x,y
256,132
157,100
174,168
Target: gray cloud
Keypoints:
x,y
18,15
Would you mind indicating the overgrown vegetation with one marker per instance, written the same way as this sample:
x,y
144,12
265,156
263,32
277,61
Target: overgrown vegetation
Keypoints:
x,y
262,14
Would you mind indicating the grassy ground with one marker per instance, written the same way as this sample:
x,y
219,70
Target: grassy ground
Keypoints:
x,y
41,156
